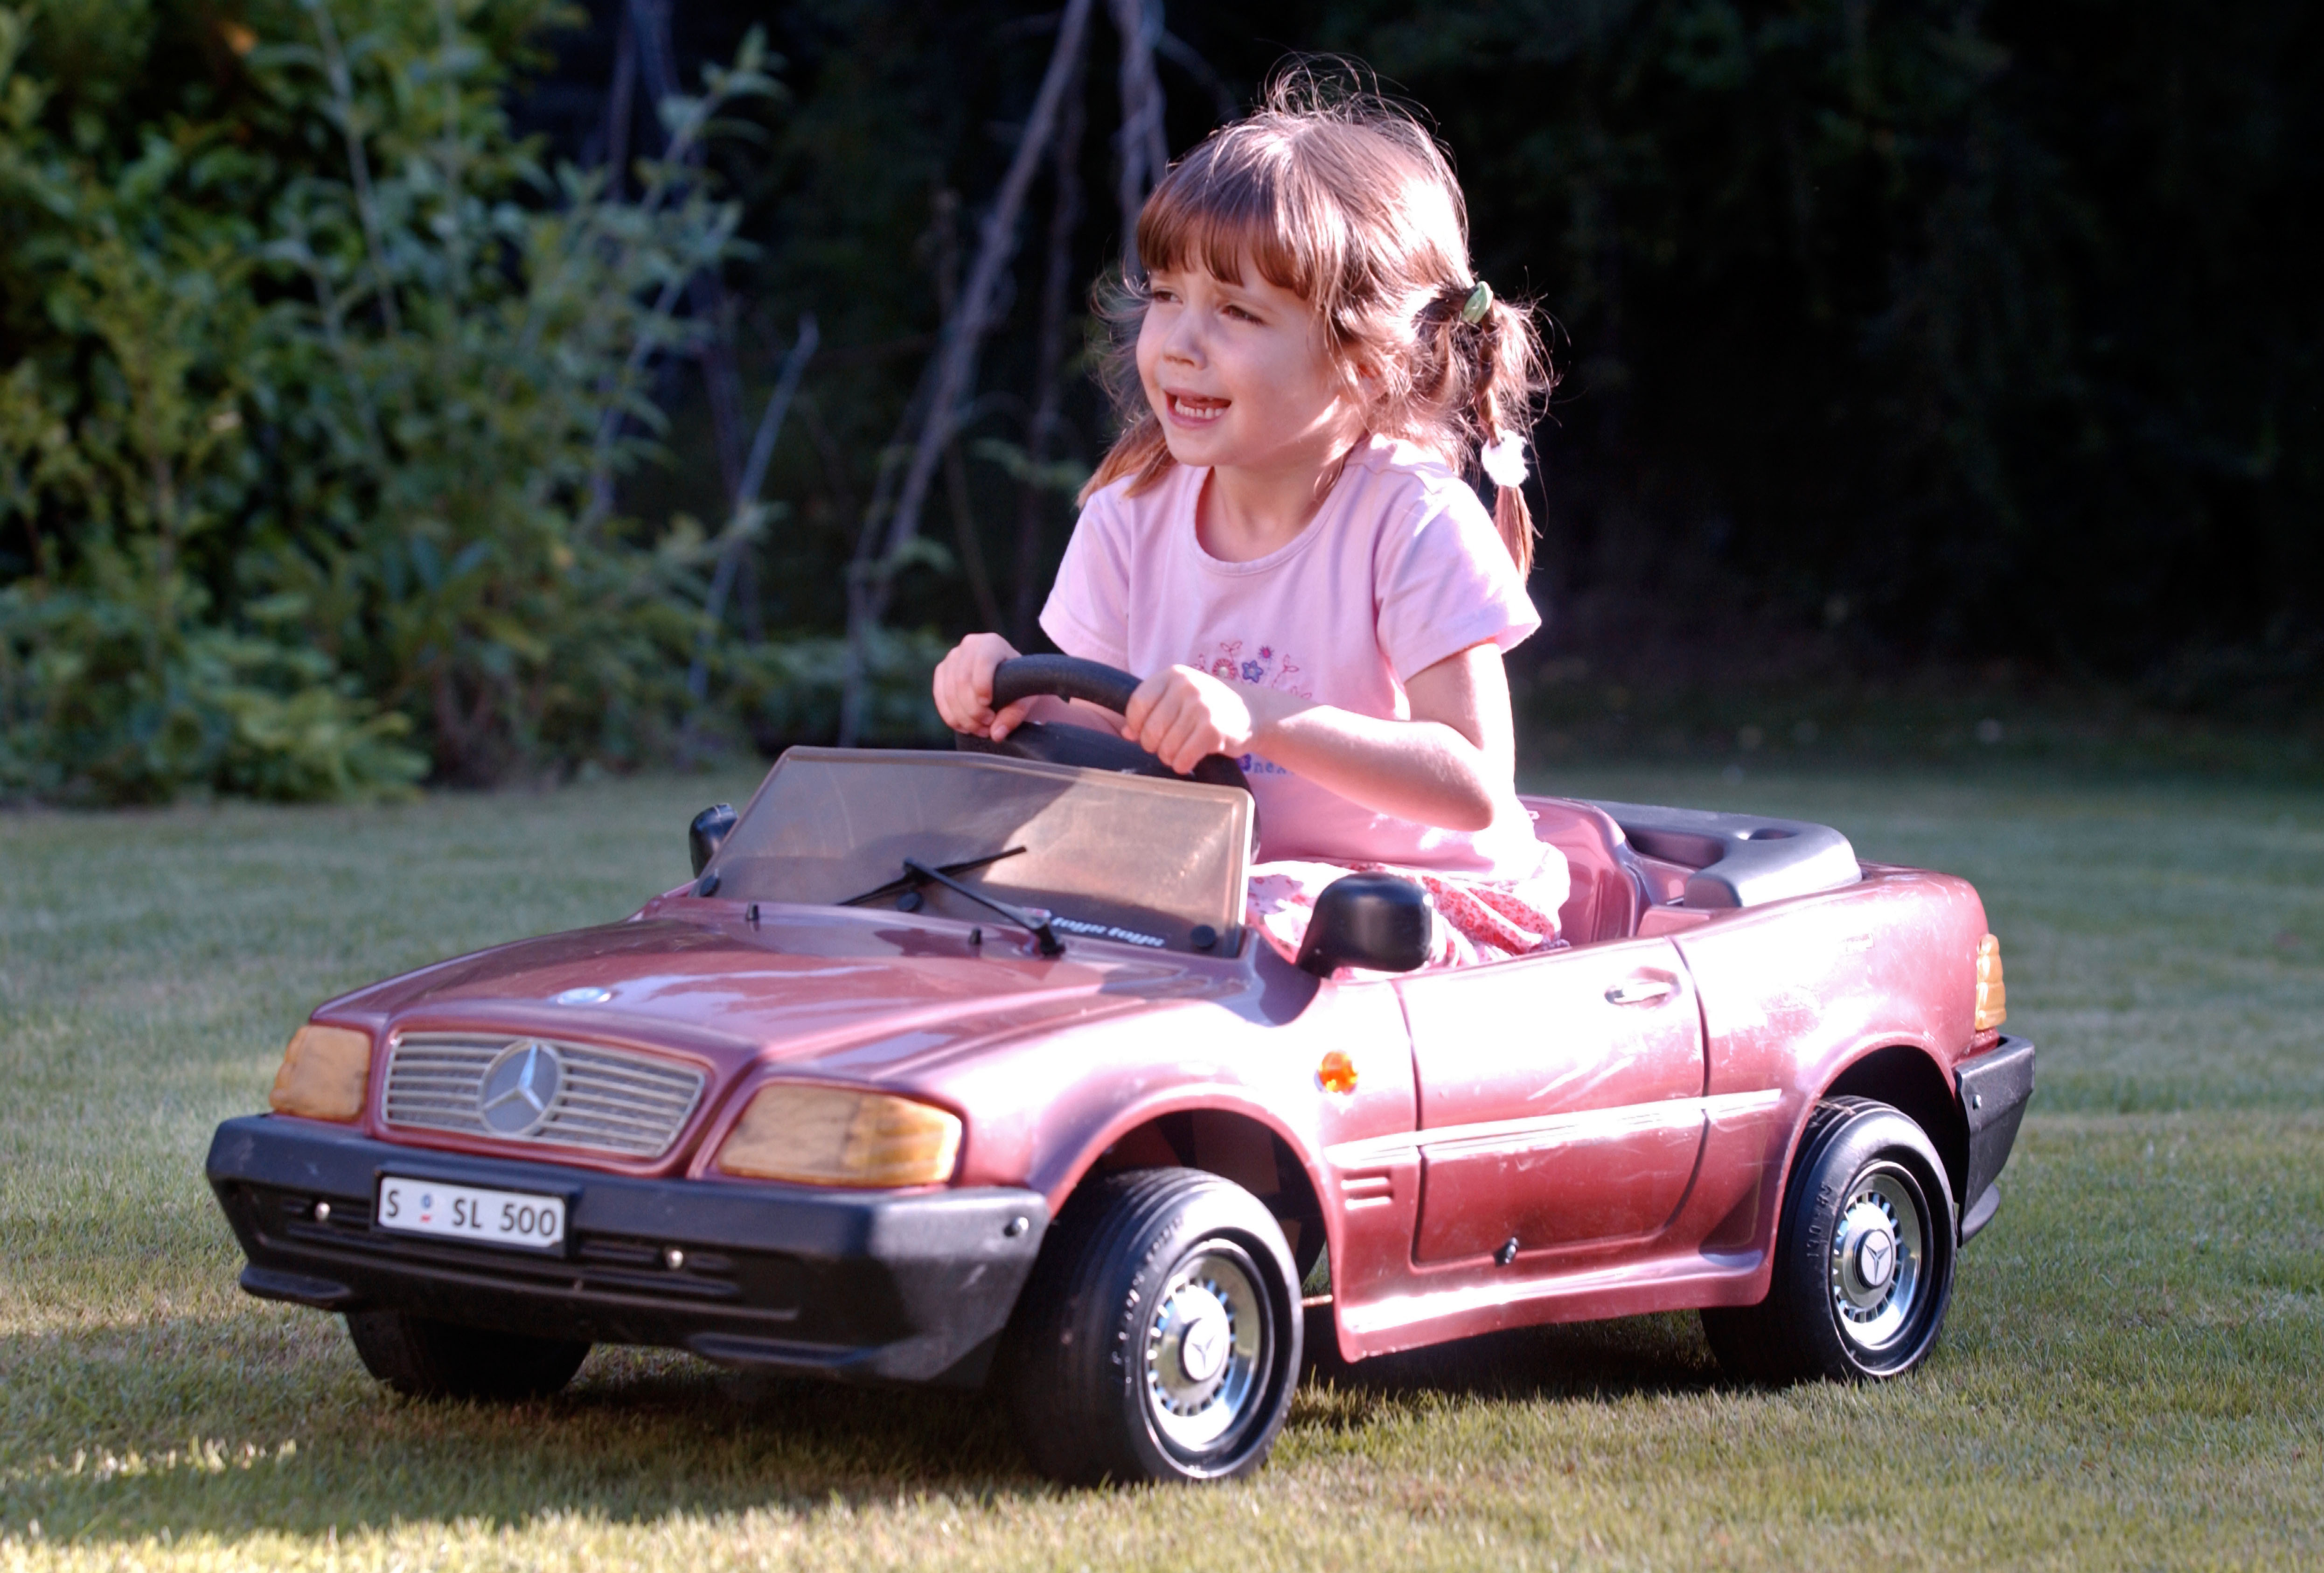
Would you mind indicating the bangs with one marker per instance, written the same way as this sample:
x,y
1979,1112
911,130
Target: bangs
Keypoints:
x,y
1240,196
1335,211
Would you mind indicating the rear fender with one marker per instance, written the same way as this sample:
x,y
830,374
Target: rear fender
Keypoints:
x,y
1911,1080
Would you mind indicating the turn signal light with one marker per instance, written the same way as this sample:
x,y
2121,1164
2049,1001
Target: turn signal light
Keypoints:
x,y
323,1074
1336,1073
1992,998
831,1135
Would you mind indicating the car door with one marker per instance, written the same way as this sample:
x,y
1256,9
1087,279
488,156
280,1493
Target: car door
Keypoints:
x,y
1560,1101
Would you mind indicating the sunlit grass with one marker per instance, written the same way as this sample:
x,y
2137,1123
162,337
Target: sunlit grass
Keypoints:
x,y
2133,1373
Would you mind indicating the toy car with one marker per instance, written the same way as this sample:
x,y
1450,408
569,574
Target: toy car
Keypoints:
x,y
963,1068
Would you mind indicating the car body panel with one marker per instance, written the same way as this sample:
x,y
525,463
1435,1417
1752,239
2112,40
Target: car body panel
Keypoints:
x,y
1560,1100
1600,1131
1794,993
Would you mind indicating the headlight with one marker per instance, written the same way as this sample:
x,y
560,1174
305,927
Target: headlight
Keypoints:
x,y
830,1135
323,1074
1992,998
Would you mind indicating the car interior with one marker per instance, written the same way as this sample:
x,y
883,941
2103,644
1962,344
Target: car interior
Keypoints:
x,y
1162,862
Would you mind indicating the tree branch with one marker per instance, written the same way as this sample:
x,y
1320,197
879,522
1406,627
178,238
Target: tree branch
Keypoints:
x,y
1048,356
743,524
954,364
343,102
1143,141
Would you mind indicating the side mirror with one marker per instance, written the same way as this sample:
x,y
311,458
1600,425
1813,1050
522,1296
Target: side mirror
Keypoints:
x,y
708,829
1374,920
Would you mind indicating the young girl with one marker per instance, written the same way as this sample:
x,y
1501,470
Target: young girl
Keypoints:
x,y
1283,542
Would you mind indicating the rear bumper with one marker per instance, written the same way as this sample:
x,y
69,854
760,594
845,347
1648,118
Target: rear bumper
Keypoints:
x,y
860,1286
1993,1088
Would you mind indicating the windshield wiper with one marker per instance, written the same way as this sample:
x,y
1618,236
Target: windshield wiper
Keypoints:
x,y
896,887
1036,923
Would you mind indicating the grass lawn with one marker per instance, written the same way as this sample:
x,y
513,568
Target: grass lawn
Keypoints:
x,y
2133,1374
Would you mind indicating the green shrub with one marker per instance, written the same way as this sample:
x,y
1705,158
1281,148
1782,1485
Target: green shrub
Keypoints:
x,y
790,691
321,386
96,703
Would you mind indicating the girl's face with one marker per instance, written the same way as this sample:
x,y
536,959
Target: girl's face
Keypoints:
x,y
1241,375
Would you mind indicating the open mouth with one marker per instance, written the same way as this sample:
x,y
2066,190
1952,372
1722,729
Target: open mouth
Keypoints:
x,y
1194,409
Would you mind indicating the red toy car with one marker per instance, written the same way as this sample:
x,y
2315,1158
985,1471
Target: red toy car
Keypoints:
x,y
963,1068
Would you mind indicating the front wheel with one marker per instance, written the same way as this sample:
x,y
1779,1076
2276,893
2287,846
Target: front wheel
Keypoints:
x,y
1864,1256
1159,1338
422,1358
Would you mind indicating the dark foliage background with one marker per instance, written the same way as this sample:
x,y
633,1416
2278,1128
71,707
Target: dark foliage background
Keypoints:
x,y
1897,335
1972,330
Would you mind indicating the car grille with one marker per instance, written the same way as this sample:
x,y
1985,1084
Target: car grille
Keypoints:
x,y
606,1100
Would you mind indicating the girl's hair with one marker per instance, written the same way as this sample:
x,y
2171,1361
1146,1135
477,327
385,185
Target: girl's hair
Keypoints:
x,y
1345,199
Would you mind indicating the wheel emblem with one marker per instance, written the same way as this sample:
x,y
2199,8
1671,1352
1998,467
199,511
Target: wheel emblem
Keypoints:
x,y
519,1088
1876,1260
1202,1346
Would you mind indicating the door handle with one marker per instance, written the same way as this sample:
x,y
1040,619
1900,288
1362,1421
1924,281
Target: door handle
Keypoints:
x,y
1640,991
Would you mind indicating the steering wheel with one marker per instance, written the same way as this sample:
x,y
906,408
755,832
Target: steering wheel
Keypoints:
x,y
1068,677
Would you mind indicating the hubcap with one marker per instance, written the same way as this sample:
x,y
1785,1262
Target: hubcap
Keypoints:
x,y
1208,1343
1877,1256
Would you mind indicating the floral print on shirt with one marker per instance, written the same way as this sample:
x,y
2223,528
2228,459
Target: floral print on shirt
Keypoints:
x,y
1265,668
1233,661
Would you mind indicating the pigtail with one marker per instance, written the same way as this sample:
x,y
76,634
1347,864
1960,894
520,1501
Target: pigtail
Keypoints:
x,y
1479,377
1512,378
1514,519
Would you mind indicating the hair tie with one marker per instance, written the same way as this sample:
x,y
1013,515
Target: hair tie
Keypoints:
x,y
1504,460
1480,301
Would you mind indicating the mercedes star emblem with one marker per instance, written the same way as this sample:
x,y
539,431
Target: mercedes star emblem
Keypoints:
x,y
518,1088
1875,1259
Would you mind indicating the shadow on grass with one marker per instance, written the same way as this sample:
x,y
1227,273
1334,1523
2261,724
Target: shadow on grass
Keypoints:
x,y
1636,1357
198,1427
123,1433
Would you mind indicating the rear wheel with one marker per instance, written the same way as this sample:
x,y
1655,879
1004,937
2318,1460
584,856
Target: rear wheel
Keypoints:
x,y
1864,1256
1159,1336
421,1358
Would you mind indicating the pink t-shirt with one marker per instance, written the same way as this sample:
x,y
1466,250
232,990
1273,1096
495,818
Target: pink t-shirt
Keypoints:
x,y
1399,569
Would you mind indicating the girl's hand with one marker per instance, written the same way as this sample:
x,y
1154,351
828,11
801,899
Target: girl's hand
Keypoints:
x,y
963,688
1181,715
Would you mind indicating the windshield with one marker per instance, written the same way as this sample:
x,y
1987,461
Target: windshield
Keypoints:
x,y
1132,858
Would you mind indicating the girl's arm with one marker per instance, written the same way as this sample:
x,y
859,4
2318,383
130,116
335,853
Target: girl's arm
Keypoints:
x,y
1449,765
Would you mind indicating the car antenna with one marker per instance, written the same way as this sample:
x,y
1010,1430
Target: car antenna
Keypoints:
x,y
1038,925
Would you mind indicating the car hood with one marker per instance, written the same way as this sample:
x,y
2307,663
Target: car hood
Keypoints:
x,y
862,994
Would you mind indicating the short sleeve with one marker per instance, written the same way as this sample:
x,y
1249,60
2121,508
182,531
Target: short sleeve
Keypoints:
x,y
1447,582
1088,609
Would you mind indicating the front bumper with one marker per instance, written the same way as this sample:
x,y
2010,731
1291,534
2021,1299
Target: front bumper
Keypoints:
x,y
863,1286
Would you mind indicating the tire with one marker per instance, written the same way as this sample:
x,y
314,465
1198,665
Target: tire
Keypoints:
x,y
1159,1338
1864,1256
420,1358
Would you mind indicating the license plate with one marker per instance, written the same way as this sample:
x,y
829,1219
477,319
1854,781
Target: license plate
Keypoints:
x,y
460,1212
